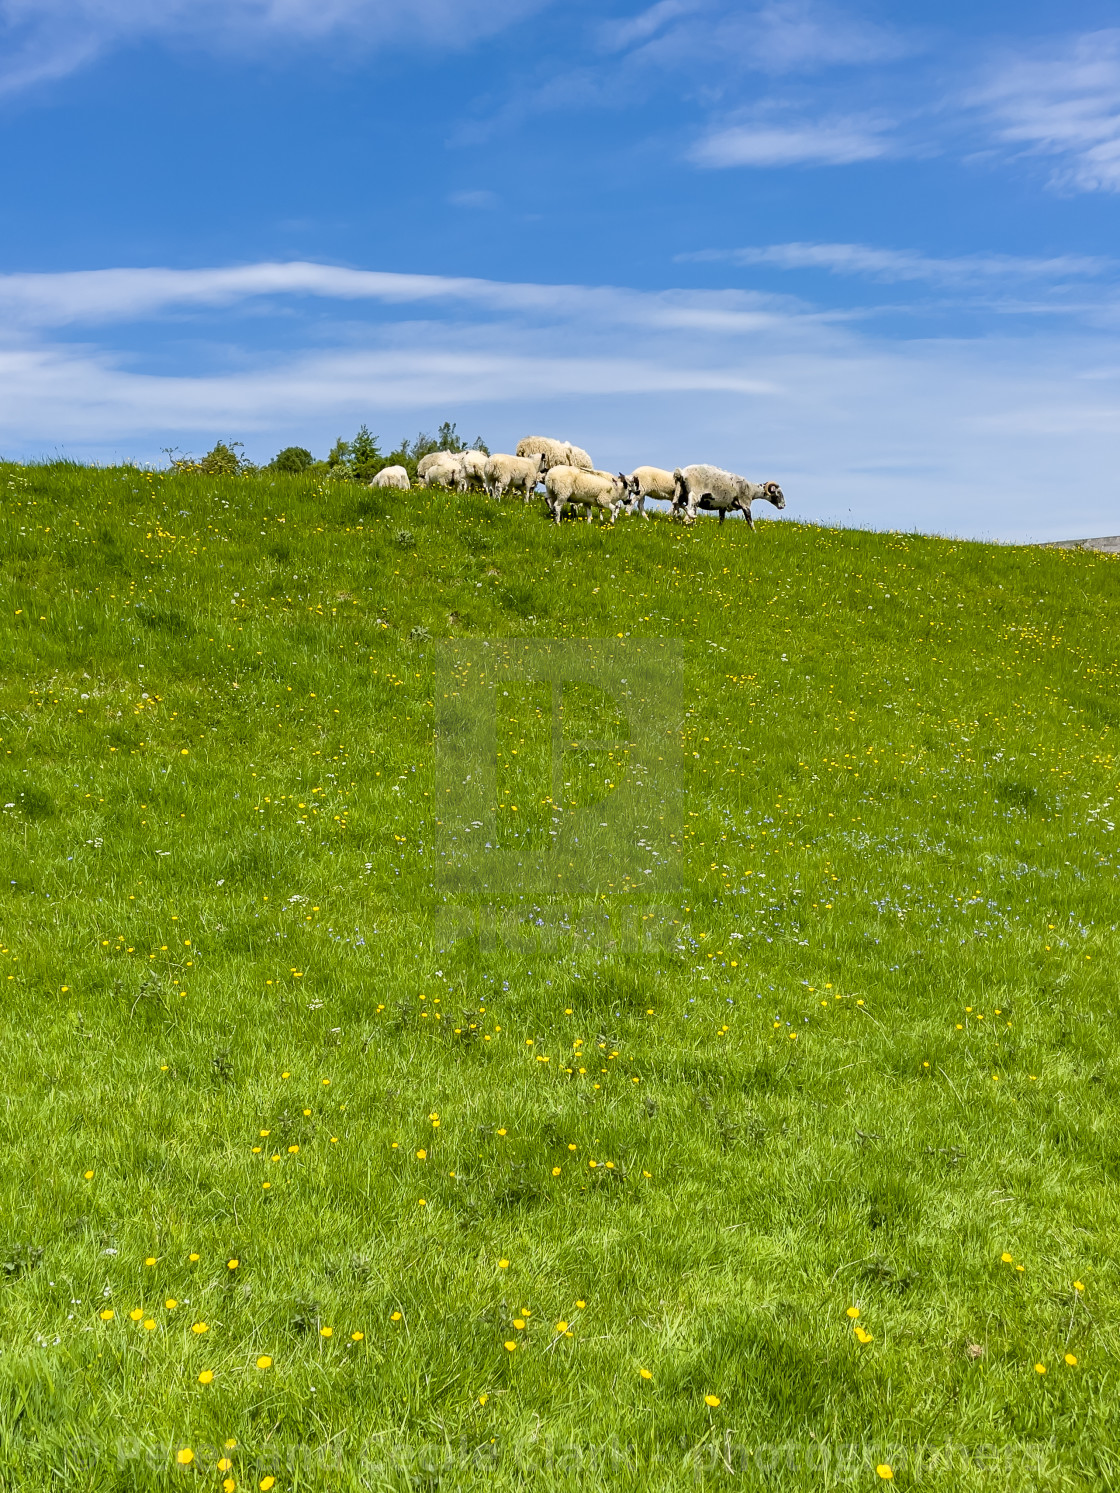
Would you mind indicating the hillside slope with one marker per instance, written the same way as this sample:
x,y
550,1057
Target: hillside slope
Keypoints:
x,y
608,1183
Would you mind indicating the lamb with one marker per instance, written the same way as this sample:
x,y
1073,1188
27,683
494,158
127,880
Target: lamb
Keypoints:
x,y
596,491
712,488
472,470
649,482
391,477
503,472
556,453
441,472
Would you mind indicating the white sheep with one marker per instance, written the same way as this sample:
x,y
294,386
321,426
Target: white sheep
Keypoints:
x,y
472,470
649,482
718,491
503,472
442,472
391,477
432,459
556,453
599,492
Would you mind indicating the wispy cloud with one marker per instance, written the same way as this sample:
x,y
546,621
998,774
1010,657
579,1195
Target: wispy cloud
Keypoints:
x,y
901,265
779,36
975,436
838,142
480,198
1064,104
42,40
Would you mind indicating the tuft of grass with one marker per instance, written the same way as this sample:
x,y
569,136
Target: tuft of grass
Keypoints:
x,y
257,1099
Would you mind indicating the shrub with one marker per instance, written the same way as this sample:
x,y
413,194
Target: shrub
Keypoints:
x,y
291,459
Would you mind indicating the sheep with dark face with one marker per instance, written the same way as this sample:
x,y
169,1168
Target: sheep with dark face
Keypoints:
x,y
721,492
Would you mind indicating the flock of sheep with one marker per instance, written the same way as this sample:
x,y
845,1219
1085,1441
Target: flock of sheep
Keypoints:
x,y
571,479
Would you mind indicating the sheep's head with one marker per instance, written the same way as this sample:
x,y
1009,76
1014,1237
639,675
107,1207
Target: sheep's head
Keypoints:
x,y
774,494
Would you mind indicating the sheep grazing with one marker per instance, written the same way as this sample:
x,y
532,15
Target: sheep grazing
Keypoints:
x,y
391,477
472,470
503,473
556,453
599,492
719,491
649,482
442,470
432,459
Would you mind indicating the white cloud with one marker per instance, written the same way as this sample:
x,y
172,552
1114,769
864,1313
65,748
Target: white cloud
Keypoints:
x,y
895,265
829,143
480,198
42,40
1064,104
994,436
780,36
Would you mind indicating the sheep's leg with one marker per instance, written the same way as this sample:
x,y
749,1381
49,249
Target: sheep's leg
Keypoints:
x,y
722,514
747,516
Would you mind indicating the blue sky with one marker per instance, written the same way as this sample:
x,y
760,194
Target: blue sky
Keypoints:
x,y
868,250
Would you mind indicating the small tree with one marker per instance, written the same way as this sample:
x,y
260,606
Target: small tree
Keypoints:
x,y
364,456
338,459
291,459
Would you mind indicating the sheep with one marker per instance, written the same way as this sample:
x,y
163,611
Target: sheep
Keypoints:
x,y
432,459
556,453
391,477
472,470
649,482
596,491
443,472
502,472
714,489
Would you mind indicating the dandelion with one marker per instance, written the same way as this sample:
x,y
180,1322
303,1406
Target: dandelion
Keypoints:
x,y
1007,1259
150,1260
853,1312
1040,1368
149,1324
232,1264
198,1328
184,1456
88,1176
711,1401
555,1171
421,1155
422,1202
561,1327
863,1336
264,1361
266,1483
395,1317
482,1399
503,1264
107,1315
581,1305
293,1150
193,1259
228,1485
326,1332
645,1374
519,1323
510,1347
171,1303
1077,1286
224,1464
885,1471
1071,1359
136,1313
206,1377
356,1337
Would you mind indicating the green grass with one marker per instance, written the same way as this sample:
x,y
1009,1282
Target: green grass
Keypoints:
x,y
870,1050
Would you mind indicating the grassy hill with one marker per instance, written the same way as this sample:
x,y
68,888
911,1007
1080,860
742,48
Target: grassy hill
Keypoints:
x,y
813,1176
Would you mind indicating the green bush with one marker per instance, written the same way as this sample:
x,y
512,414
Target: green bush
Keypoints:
x,y
291,459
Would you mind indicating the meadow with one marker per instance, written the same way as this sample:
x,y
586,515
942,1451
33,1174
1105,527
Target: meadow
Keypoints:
x,y
806,1180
